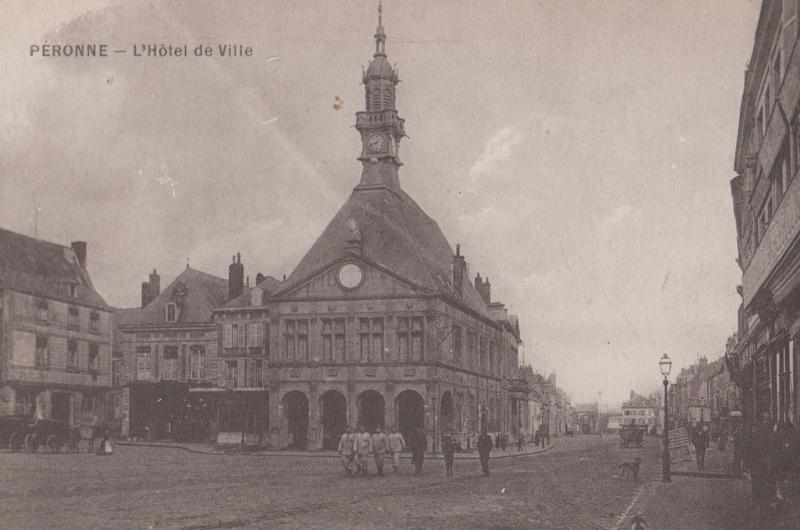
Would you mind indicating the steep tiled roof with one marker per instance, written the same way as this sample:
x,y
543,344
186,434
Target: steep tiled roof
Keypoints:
x,y
397,235
46,269
196,294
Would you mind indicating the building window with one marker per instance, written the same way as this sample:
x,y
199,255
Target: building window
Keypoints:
x,y
387,98
172,313
458,343
295,340
492,357
232,372
483,345
370,335
116,372
409,338
94,321
234,335
334,340
42,352
93,354
143,363
255,335
73,317
257,367
471,347
41,310
198,362
170,372
72,355
376,97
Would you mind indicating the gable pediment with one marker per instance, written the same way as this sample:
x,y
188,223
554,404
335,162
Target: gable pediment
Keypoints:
x,y
351,277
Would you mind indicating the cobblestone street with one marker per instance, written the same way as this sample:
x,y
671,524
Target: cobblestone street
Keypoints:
x,y
573,486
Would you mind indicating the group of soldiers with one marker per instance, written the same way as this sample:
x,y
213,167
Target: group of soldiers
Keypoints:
x,y
355,449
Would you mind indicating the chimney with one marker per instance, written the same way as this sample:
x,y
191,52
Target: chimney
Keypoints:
x,y
155,284
79,247
146,298
459,268
484,288
235,277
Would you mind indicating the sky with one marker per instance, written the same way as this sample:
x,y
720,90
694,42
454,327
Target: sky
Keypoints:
x,y
579,151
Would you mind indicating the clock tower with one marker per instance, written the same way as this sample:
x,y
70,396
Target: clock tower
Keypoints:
x,y
380,127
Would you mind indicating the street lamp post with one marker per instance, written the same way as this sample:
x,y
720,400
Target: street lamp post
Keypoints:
x,y
665,365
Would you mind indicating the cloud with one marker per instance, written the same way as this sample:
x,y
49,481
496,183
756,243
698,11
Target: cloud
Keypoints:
x,y
488,216
498,149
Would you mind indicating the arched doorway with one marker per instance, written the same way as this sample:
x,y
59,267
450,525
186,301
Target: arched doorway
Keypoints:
x,y
447,413
333,415
295,419
371,407
410,412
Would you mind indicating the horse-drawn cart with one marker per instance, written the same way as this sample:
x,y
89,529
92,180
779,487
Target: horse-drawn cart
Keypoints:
x,y
632,435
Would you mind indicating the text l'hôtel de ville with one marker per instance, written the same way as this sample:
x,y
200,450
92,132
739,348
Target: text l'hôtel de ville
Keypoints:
x,y
156,50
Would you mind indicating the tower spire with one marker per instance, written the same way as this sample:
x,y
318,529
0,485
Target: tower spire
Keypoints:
x,y
380,36
379,125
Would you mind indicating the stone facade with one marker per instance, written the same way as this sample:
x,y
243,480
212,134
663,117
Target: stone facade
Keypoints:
x,y
766,200
55,334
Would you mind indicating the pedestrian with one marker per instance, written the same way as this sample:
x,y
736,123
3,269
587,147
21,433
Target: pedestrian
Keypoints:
x,y
484,448
700,442
363,449
419,444
396,444
105,445
380,444
503,439
347,450
520,443
448,449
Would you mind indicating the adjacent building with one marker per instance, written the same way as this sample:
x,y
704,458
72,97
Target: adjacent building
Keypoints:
x,y
643,411
164,348
766,203
55,333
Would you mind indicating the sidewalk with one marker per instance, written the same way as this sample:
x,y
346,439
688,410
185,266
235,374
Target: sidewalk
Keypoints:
x,y
236,450
718,464
706,499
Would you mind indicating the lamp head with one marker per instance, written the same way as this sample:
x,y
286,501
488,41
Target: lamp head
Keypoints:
x,y
665,364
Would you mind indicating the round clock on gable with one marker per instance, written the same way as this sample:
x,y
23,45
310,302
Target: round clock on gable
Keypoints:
x,y
350,276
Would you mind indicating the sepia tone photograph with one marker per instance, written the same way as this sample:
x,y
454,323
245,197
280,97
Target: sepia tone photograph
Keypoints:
x,y
399,264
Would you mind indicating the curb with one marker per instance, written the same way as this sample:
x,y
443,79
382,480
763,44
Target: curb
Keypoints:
x,y
703,474
313,454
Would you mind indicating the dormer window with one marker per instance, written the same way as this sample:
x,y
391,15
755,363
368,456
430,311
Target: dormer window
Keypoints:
x,y
172,313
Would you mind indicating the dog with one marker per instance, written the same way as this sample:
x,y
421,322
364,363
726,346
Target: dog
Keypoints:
x,y
631,468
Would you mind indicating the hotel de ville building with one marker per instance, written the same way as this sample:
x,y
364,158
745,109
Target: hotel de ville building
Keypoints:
x,y
380,323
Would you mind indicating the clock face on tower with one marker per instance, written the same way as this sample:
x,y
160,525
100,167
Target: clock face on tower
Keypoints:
x,y
350,276
376,143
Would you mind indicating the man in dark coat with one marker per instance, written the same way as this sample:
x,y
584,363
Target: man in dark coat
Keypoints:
x,y
484,448
419,444
448,450
700,442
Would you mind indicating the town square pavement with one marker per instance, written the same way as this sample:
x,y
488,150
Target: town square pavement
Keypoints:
x,y
575,485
